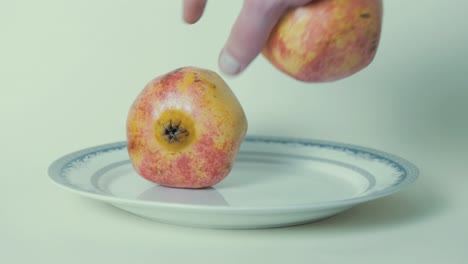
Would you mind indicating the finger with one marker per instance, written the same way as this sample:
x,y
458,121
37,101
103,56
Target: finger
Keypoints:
x,y
249,34
193,10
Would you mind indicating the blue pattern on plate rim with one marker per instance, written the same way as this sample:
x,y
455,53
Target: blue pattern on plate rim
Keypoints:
x,y
403,167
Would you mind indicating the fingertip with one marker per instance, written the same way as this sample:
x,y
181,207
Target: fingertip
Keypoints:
x,y
190,20
249,35
228,64
193,10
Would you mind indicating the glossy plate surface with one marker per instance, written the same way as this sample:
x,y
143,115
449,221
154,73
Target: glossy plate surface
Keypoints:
x,y
274,182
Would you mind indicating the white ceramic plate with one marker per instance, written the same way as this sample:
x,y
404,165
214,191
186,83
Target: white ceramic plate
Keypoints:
x,y
274,182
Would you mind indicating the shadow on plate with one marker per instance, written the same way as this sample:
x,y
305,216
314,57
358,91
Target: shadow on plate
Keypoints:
x,y
205,196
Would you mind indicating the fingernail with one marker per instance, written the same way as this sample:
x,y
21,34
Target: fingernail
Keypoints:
x,y
229,64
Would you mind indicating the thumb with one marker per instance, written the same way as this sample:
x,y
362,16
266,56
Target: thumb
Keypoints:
x,y
249,34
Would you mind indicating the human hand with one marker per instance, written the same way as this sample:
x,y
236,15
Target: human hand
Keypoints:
x,y
250,31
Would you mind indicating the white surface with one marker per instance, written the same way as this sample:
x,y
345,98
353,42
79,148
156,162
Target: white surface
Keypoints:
x,y
275,182
70,69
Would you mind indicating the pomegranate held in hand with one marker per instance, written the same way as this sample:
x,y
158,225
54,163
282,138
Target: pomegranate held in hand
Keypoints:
x,y
326,40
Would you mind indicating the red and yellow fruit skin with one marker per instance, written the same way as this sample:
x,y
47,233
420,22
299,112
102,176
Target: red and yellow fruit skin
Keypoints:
x,y
326,40
208,110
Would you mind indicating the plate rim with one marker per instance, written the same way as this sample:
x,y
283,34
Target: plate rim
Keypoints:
x,y
412,174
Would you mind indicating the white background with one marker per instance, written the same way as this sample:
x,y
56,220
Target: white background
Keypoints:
x,y
69,71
